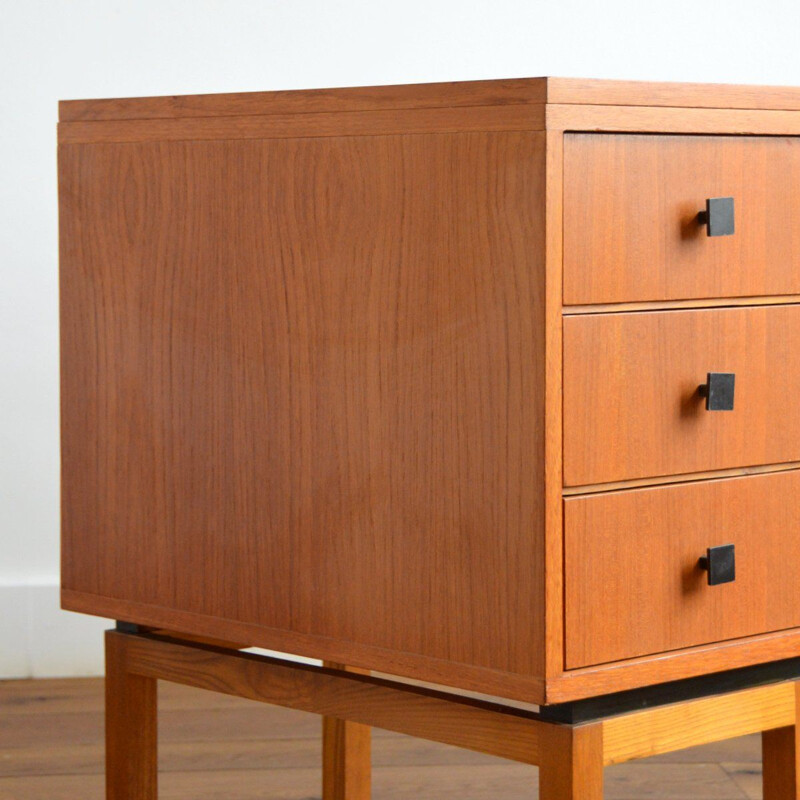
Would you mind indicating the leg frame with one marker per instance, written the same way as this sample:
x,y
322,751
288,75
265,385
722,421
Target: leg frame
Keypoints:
x,y
131,728
570,757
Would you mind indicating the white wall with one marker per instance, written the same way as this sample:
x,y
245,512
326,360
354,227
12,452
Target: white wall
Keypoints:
x,y
99,48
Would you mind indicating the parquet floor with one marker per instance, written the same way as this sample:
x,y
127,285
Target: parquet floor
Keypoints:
x,y
214,746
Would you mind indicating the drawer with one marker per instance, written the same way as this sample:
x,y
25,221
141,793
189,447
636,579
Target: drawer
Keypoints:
x,y
631,402
632,581
630,217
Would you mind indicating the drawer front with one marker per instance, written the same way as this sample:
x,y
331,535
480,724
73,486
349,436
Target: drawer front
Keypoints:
x,y
631,402
631,231
632,580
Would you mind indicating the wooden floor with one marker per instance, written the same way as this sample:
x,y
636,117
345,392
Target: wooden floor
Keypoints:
x,y
214,746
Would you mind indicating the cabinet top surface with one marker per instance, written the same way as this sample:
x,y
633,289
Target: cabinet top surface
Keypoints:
x,y
517,91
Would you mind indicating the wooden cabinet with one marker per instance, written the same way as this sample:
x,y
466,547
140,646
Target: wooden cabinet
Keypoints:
x,y
406,378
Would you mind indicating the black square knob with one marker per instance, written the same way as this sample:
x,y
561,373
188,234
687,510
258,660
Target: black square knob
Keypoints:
x,y
718,216
720,562
718,391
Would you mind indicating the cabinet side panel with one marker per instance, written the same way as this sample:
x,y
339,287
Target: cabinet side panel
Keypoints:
x,y
302,387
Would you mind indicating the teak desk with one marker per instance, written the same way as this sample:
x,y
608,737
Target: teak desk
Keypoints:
x,y
487,385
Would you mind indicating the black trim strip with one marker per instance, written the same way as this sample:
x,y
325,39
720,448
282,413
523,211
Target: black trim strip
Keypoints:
x,y
609,705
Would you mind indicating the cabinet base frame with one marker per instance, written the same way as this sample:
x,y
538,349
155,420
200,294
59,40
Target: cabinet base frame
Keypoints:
x,y
571,757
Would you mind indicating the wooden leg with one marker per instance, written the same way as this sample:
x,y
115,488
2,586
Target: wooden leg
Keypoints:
x,y
571,763
131,729
346,757
780,754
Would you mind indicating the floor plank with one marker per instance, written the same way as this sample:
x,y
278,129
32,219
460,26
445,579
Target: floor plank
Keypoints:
x,y
509,782
83,694
83,759
214,746
747,777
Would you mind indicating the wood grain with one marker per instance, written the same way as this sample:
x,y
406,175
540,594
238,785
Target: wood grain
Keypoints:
x,y
571,765
346,756
631,405
475,725
626,239
553,433
660,120
346,767
300,394
311,101
578,91
400,781
780,764
585,91
131,728
281,126
781,757
709,719
674,665
439,672
633,584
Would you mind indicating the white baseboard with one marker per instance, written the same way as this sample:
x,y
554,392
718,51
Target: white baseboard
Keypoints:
x,y
39,640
